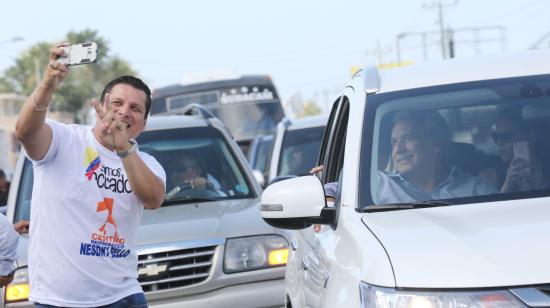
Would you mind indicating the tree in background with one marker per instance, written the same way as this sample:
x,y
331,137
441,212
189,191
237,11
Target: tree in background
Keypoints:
x,y
310,109
83,83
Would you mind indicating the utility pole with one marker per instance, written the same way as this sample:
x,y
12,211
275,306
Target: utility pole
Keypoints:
x,y
439,6
451,39
379,52
472,36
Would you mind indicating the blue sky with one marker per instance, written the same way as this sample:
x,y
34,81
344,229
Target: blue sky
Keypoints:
x,y
306,46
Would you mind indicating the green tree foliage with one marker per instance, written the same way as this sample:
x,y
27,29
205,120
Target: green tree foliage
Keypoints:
x,y
83,83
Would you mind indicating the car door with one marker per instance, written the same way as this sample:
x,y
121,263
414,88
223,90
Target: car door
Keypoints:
x,y
311,262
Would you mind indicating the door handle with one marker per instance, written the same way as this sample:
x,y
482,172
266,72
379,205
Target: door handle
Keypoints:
x,y
326,276
293,244
305,264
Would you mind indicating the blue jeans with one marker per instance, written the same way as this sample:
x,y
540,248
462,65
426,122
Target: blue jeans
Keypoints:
x,y
137,300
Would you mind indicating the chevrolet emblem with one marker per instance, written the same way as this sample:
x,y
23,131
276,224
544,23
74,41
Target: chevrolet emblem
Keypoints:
x,y
152,269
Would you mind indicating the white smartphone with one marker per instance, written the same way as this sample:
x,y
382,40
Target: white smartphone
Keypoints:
x,y
521,150
84,53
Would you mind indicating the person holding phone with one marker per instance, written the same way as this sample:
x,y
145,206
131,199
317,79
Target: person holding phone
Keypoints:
x,y
522,168
90,188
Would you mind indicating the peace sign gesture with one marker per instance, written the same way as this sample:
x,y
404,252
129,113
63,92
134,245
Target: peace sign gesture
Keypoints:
x,y
111,129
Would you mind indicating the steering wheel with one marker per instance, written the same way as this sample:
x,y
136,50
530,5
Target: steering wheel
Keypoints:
x,y
186,191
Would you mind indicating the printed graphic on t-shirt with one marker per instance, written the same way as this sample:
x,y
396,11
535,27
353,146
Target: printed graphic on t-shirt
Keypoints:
x,y
91,161
106,177
107,205
106,242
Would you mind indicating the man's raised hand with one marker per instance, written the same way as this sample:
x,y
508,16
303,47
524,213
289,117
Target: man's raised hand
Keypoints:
x,y
56,71
113,129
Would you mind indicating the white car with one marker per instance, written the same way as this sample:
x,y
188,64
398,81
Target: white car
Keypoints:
x,y
449,210
203,247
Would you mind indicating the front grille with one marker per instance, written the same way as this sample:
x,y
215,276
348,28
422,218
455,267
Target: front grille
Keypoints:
x,y
174,269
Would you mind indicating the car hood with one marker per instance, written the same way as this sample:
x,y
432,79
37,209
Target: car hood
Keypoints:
x,y
201,221
467,246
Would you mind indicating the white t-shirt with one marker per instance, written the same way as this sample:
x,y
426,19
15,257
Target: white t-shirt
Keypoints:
x,y
85,219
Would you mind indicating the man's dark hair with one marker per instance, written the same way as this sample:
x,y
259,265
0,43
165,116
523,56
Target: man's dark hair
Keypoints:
x,y
2,174
131,81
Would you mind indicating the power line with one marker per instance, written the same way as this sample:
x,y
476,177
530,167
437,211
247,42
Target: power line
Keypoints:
x,y
439,5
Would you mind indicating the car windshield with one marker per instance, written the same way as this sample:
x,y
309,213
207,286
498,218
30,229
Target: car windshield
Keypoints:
x,y
261,153
248,111
199,164
300,150
247,120
464,143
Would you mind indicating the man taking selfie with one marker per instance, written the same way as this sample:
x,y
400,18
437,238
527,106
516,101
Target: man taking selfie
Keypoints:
x,y
90,188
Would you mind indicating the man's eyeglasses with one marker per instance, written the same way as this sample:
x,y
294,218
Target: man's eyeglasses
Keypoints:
x,y
504,137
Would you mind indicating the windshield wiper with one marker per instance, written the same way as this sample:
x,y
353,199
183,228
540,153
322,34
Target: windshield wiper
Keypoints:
x,y
405,206
188,200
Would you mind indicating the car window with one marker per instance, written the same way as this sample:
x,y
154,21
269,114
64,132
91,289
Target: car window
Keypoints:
x,y
249,120
471,142
24,194
262,154
300,150
188,154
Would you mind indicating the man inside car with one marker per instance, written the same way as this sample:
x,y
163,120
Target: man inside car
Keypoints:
x,y
422,168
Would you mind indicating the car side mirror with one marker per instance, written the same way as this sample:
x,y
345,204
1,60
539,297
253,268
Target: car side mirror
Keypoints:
x,y
296,203
280,178
258,175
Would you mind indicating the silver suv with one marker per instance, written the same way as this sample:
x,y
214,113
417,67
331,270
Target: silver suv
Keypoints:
x,y
205,247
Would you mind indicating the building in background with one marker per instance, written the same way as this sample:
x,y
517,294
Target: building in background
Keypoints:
x,y
10,106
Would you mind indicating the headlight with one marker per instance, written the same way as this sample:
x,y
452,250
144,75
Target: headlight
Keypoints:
x,y
372,296
18,289
254,252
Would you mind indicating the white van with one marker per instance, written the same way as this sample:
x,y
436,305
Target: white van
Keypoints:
x,y
442,176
